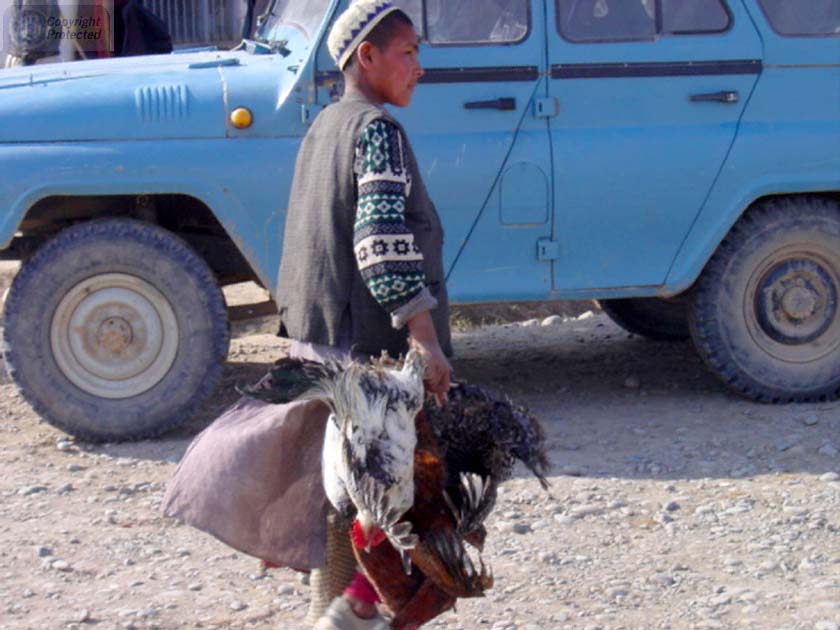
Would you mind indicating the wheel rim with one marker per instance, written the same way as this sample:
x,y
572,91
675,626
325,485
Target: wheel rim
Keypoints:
x,y
795,306
114,336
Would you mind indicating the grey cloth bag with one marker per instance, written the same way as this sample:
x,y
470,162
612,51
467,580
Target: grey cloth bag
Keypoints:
x,y
253,480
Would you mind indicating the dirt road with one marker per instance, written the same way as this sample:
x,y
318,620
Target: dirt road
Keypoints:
x,y
673,505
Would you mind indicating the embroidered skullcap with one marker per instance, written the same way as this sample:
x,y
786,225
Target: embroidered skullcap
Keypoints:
x,y
353,26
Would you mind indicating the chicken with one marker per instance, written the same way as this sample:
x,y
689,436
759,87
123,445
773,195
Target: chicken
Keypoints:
x,y
464,451
367,459
421,481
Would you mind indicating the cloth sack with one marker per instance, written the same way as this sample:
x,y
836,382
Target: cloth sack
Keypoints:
x,y
253,480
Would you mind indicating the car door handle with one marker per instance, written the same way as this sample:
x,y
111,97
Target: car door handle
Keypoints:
x,y
504,104
727,96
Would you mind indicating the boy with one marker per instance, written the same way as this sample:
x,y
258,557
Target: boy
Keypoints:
x,y
362,258
361,273
362,247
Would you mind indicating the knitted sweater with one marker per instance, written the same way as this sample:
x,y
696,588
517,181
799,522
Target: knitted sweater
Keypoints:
x,y
389,260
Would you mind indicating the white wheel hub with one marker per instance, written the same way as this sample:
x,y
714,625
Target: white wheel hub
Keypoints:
x,y
114,336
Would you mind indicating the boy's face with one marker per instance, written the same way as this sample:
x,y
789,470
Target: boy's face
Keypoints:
x,y
394,69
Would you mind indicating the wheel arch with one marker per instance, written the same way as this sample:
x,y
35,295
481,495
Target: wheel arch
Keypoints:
x,y
185,215
706,236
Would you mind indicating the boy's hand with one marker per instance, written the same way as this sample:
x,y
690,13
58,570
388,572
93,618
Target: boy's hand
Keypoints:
x,y
424,339
437,371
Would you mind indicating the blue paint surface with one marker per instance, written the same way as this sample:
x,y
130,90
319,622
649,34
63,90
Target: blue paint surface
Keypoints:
x,y
632,183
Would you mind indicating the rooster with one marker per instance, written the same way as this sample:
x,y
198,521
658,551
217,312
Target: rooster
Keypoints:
x,y
420,480
464,451
368,454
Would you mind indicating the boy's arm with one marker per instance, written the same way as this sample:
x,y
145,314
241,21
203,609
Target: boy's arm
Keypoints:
x,y
389,260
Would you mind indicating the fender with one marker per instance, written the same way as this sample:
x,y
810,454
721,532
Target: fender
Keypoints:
x,y
237,195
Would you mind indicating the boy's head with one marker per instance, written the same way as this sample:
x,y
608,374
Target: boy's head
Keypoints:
x,y
375,45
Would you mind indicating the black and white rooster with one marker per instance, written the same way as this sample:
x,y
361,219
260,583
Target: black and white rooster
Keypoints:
x,y
422,478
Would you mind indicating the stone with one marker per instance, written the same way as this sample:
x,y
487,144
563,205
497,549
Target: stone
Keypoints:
x,y
632,382
194,586
552,320
662,579
81,616
671,506
43,552
826,624
285,589
61,565
580,511
521,528
830,476
810,421
237,606
786,443
505,527
828,450
28,491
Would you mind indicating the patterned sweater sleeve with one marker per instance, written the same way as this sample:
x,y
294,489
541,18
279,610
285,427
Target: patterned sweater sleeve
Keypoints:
x,y
390,262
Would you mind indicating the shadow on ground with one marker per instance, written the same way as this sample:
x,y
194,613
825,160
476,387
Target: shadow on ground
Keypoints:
x,y
613,405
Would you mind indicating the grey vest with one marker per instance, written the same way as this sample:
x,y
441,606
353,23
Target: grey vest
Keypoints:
x,y
319,288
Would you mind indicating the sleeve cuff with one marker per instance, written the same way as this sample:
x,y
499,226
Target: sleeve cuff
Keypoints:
x,y
421,302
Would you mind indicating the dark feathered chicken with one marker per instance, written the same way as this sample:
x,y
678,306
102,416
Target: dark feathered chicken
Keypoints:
x,y
465,449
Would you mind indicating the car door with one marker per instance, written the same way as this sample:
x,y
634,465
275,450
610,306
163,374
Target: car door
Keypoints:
x,y
483,154
649,96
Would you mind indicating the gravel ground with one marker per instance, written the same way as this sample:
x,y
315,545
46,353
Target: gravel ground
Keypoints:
x,y
673,505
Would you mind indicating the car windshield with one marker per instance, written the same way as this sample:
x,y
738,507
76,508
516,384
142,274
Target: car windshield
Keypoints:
x,y
286,17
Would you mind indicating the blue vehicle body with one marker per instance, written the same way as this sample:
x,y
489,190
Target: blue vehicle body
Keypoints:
x,y
631,185
560,168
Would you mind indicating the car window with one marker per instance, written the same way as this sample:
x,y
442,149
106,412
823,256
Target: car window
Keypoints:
x,y
617,20
469,22
604,20
681,17
814,17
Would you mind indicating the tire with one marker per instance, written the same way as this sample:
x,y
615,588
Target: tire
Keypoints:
x,y
765,315
115,330
654,318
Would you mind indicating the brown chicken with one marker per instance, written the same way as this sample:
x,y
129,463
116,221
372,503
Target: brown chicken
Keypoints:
x,y
464,450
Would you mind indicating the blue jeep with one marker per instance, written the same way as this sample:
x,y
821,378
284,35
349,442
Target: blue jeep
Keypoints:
x,y
678,160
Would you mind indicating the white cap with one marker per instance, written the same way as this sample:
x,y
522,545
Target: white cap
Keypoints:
x,y
353,26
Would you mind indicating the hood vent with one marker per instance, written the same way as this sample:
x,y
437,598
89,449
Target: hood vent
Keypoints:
x,y
161,103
